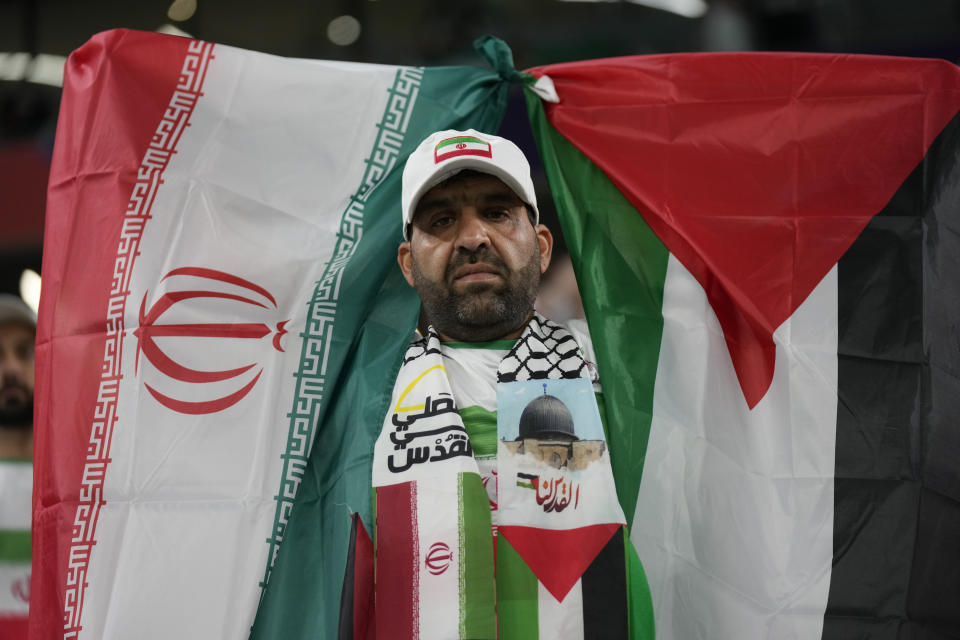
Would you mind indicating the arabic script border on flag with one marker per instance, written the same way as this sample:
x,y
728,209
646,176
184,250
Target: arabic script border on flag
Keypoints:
x,y
149,178
318,332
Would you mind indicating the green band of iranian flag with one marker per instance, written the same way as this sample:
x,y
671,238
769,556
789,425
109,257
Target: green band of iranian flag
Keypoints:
x,y
221,239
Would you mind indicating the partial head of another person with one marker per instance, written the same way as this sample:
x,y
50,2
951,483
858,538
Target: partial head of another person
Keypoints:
x,y
18,325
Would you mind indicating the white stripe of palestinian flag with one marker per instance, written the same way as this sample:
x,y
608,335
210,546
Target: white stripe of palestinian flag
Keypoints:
x,y
191,499
560,619
756,539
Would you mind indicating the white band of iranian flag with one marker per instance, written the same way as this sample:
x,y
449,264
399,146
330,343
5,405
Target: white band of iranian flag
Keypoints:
x,y
439,567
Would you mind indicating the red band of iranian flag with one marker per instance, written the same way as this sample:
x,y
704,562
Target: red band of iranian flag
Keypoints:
x,y
397,560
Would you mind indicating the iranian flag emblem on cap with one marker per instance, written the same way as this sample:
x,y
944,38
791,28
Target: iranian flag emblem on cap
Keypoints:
x,y
461,146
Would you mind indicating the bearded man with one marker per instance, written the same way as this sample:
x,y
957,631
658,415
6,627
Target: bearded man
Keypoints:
x,y
474,251
17,335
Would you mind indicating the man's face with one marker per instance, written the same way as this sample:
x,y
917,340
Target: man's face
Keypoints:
x,y
475,258
16,375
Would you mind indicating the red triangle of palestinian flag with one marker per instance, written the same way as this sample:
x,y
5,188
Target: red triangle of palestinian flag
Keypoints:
x,y
541,549
758,204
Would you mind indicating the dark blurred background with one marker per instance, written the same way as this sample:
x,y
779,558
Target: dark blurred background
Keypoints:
x,y
37,35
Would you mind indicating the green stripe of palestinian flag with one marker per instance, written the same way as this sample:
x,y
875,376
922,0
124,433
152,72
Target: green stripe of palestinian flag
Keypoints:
x,y
516,595
625,264
373,336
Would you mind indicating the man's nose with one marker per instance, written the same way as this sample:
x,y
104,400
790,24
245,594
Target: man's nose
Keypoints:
x,y
472,230
9,368
10,362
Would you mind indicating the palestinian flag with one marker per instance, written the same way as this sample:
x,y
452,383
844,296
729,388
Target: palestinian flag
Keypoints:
x,y
768,246
208,304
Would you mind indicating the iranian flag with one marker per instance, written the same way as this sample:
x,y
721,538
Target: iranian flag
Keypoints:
x,y
409,555
461,146
219,274
768,246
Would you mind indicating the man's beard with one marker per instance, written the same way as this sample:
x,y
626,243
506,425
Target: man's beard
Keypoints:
x,y
482,312
17,414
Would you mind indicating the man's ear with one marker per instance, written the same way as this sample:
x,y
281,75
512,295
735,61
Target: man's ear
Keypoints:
x,y
405,260
545,242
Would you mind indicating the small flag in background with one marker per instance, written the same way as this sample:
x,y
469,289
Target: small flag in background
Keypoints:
x,y
16,479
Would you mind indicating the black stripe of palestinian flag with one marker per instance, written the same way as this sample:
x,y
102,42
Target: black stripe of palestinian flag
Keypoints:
x,y
896,569
799,478
603,585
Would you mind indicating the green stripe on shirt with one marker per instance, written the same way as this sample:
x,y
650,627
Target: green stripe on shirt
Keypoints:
x,y
481,426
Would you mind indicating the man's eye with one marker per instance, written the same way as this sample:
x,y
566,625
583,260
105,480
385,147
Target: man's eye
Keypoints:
x,y
441,222
497,214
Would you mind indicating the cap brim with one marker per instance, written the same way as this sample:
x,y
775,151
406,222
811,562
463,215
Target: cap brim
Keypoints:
x,y
454,166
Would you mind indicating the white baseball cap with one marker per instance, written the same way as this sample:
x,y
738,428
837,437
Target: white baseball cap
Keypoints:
x,y
14,310
447,153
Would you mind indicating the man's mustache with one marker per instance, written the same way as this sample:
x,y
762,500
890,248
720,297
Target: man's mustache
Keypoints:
x,y
13,384
481,256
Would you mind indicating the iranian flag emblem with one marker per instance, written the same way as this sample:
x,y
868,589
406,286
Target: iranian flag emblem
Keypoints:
x,y
461,146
